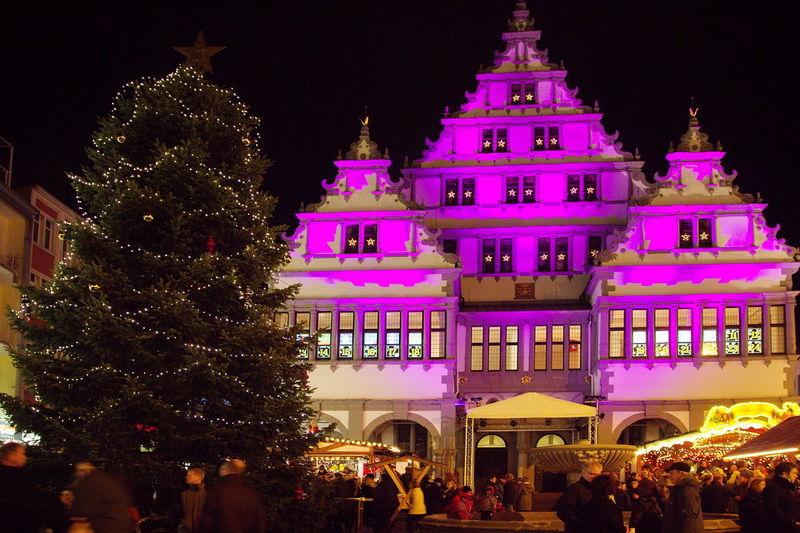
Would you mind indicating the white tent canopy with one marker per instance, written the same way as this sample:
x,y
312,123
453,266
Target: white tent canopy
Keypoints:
x,y
528,405
533,405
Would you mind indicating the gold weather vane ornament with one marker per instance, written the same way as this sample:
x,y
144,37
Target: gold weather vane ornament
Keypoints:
x,y
199,54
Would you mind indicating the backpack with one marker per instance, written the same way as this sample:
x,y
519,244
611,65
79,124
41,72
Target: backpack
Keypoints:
x,y
488,503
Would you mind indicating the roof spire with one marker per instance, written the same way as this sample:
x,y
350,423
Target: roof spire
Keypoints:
x,y
521,20
364,147
693,140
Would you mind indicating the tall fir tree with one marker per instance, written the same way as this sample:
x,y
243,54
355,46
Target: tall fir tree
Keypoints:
x,y
154,348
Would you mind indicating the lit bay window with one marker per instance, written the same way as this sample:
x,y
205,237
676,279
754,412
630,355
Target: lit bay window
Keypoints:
x,y
732,331
557,348
392,336
512,348
414,334
575,347
438,338
369,335
476,349
777,329
755,330
709,333
616,333
303,321
346,334
685,333
540,348
324,321
639,333
661,324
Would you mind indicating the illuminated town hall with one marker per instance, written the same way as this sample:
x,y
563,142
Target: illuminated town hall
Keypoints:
x,y
525,251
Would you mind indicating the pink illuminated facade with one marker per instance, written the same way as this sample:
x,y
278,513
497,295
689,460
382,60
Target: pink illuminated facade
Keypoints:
x,y
526,252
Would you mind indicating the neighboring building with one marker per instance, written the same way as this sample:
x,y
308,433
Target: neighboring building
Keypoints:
x,y
525,251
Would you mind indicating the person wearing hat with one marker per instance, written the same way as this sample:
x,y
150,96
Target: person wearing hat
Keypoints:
x,y
682,511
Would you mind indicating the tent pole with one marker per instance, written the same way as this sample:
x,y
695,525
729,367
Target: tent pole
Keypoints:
x,y
469,452
593,429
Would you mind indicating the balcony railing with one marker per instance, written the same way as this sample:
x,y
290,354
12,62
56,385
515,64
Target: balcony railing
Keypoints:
x,y
9,257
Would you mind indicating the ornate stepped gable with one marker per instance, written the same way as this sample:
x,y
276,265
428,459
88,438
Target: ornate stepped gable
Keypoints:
x,y
695,215
364,222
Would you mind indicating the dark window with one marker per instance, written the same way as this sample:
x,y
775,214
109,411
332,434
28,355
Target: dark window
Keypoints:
x,y
489,257
539,141
553,138
544,254
371,239
449,246
501,143
487,141
529,189
351,239
451,192
573,188
530,97
590,187
512,190
686,234
468,191
704,233
506,255
595,245
562,254
517,97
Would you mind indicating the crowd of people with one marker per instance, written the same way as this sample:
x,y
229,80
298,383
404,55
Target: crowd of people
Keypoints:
x,y
101,502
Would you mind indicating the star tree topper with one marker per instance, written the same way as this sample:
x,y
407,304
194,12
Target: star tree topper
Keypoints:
x,y
199,54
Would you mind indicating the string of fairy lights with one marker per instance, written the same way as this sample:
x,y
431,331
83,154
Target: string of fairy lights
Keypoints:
x,y
237,199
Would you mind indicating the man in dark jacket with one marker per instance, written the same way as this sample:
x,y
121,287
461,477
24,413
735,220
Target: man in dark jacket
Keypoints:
x,y
682,512
231,506
714,498
434,496
19,495
510,493
569,505
192,500
781,507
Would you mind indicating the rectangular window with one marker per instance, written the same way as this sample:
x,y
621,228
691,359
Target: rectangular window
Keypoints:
x,y
369,344
685,333
494,349
661,324
303,320
449,246
686,234
506,255
544,254
324,321
562,254
512,348
553,138
595,245
351,239
370,239
755,330
590,188
476,349
415,333
282,320
529,189
540,348
539,141
451,192
35,232
639,333
346,334
777,329
517,97
487,140
530,97
704,233
501,140
438,337
616,333
732,331
47,237
557,348
392,338
709,346
489,258
468,191
575,347
512,189
573,188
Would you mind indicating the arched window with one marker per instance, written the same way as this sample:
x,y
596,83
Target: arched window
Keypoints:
x,y
491,441
551,439
647,430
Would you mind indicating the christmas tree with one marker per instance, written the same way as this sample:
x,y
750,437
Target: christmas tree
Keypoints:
x,y
155,347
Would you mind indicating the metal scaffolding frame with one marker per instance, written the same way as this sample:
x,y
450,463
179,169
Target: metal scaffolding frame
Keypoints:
x,y
469,453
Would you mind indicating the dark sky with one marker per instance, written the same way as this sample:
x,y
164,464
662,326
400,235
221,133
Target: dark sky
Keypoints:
x,y
308,68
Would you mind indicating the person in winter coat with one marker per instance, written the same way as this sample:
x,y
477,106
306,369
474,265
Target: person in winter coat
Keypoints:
x,y
646,514
368,491
510,492
569,505
487,503
192,500
385,503
231,506
525,496
601,514
416,507
781,506
751,508
434,497
715,496
682,511
461,504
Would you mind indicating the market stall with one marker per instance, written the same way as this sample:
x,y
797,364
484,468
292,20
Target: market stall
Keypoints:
x,y
725,429
342,455
782,442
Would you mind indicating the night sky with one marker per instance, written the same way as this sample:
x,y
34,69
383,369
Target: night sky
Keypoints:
x,y
308,68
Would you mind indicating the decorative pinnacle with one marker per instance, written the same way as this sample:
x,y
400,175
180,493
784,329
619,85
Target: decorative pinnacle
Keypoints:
x,y
522,20
693,140
364,147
